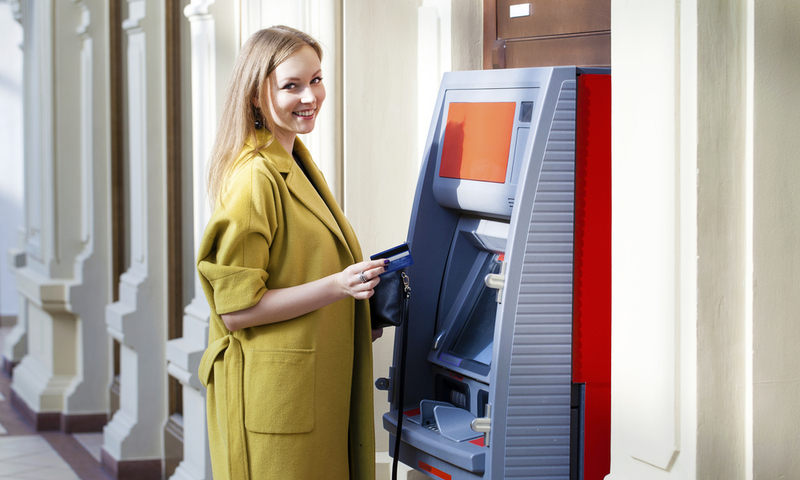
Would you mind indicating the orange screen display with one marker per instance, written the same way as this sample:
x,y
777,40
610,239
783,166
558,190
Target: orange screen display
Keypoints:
x,y
477,140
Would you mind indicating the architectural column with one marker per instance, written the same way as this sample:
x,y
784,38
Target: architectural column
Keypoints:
x,y
11,185
86,406
681,239
60,383
654,240
133,439
183,354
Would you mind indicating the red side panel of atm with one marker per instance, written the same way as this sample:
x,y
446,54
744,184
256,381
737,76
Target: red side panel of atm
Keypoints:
x,y
591,363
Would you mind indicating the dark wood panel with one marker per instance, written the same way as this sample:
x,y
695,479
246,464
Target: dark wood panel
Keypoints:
x,y
583,51
173,431
117,161
549,17
489,31
117,133
174,205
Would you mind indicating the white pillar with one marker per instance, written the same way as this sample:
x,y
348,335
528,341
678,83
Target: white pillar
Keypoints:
x,y
183,354
11,162
34,374
91,289
138,319
15,344
654,240
65,272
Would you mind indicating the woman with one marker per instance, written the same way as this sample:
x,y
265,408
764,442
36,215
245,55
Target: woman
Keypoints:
x,y
289,363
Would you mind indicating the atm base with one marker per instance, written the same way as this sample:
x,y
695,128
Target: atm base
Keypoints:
x,y
423,448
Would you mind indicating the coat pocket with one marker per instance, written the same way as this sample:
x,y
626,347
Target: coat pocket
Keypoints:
x,y
279,391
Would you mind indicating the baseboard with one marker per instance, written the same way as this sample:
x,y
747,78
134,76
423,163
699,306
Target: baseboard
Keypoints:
x,y
41,422
49,421
131,469
91,423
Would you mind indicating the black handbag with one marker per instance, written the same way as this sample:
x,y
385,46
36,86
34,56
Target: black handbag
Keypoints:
x,y
388,305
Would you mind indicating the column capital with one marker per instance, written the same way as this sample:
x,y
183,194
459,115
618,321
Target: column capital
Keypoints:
x,y
16,10
197,8
136,12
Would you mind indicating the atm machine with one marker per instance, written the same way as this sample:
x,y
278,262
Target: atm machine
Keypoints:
x,y
507,372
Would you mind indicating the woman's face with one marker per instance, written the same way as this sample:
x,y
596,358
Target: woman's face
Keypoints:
x,y
297,95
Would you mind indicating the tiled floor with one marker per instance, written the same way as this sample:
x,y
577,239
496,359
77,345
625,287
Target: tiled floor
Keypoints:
x,y
29,455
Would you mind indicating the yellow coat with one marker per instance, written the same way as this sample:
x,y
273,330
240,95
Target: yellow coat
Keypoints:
x,y
290,400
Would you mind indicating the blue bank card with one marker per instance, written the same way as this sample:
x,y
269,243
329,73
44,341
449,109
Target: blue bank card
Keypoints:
x,y
399,257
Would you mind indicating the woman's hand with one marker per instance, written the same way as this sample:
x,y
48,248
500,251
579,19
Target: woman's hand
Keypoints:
x,y
359,280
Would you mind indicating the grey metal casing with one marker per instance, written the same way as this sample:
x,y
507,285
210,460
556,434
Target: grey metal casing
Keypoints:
x,y
529,382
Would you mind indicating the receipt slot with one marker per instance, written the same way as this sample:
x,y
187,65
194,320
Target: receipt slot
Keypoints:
x,y
507,373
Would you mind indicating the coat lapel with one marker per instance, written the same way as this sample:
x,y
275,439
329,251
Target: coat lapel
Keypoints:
x,y
346,233
319,200
313,198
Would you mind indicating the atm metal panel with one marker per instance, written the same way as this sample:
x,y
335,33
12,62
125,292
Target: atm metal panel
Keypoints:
x,y
528,222
535,403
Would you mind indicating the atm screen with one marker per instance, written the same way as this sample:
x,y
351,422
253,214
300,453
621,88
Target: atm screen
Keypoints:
x,y
477,141
480,144
474,342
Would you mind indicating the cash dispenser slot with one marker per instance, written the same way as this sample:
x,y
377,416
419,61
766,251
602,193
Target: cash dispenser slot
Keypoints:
x,y
451,390
468,307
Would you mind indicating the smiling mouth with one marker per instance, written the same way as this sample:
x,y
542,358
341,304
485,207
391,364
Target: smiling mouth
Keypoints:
x,y
304,113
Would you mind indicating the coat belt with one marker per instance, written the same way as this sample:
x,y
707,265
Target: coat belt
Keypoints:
x,y
231,348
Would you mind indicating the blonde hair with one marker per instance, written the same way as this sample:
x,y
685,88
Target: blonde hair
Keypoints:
x,y
249,84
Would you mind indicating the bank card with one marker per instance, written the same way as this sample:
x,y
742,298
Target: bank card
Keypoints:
x,y
399,257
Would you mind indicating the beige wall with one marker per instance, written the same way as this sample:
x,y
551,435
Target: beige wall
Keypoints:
x,y
776,239
380,154
381,144
722,241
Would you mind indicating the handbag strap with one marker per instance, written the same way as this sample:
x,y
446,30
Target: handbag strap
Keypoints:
x,y
401,373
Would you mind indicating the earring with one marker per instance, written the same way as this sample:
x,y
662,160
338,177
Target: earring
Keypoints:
x,y
259,122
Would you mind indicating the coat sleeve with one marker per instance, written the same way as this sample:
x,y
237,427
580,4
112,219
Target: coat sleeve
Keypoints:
x,y
234,252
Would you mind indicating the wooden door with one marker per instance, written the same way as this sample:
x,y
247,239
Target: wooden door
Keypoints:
x,y
540,33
